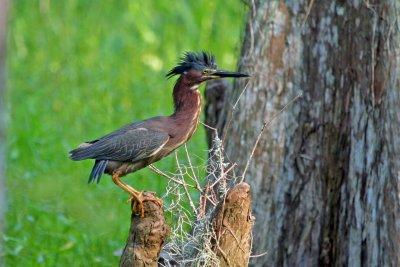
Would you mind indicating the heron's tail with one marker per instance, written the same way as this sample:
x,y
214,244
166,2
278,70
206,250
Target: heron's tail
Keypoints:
x,y
97,171
84,151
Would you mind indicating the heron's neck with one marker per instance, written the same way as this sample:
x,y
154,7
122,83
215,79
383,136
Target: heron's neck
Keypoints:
x,y
187,100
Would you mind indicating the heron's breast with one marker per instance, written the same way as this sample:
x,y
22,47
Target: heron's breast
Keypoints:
x,y
185,133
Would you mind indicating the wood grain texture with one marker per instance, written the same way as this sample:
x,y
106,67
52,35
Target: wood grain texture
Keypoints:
x,y
233,225
146,237
325,174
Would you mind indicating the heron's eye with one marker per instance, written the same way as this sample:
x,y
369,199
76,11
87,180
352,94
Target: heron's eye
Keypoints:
x,y
206,71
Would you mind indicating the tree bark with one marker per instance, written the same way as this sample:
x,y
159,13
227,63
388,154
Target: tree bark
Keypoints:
x,y
232,224
214,97
3,20
325,173
146,237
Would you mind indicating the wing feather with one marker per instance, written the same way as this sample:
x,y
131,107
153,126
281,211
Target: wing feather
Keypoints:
x,y
130,145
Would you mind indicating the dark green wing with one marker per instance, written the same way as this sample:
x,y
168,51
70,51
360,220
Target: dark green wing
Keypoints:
x,y
130,145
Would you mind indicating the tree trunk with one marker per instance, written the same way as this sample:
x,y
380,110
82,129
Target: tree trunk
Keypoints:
x,y
3,11
324,176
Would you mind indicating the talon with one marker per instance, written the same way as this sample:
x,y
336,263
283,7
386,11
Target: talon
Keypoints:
x,y
138,199
158,201
140,209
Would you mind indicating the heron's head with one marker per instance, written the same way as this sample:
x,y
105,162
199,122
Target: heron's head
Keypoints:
x,y
199,67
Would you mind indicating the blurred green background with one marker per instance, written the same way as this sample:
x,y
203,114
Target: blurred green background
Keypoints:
x,y
78,69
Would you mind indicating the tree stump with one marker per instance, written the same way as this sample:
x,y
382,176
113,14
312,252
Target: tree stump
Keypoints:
x,y
146,236
232,223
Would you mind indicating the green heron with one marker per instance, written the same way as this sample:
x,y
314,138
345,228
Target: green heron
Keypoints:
x,y
142,143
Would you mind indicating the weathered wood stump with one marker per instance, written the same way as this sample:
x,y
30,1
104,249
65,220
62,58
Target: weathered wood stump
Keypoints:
x,y
232,223
146,236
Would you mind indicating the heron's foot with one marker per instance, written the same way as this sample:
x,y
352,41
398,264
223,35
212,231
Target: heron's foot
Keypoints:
x,y
137,200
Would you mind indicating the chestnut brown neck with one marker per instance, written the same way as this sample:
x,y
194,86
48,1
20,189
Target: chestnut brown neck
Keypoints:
x,y
187,100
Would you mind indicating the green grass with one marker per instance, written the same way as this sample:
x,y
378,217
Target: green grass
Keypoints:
x,y
77,70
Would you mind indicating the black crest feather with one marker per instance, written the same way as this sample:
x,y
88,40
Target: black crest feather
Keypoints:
x,y
193,60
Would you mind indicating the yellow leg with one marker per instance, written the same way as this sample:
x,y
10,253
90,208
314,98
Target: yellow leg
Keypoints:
x,y
127,188
136,196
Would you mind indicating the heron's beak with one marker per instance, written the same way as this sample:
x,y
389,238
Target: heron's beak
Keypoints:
x,y
226,74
